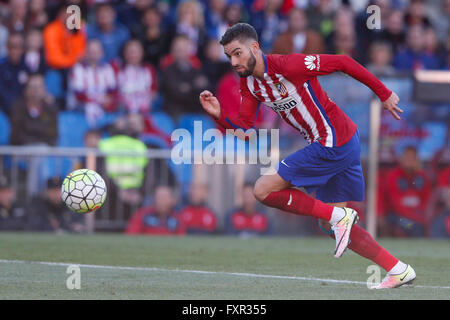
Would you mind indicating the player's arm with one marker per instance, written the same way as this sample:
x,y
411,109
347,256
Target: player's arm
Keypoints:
x,y
323,64
245,119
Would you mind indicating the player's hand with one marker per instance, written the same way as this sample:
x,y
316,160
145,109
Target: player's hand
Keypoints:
x,y
210,104
391,105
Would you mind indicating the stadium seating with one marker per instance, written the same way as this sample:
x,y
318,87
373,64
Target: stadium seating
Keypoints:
x,y
163,121
184,172
165,124
54,84
187,121
72,127
4,129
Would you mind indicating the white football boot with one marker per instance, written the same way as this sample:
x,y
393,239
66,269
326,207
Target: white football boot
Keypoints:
x,y
342,231
397,280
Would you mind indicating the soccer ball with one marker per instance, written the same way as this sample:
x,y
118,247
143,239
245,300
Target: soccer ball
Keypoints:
x,y
83,191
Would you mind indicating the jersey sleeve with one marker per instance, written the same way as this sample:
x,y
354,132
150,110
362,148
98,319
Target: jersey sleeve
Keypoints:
x,y
323,64
248,111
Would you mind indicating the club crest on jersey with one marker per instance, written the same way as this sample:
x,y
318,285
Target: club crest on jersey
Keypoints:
x,y
310,62
281,88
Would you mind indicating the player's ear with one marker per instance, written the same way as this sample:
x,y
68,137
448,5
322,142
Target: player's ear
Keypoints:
x,y
254,46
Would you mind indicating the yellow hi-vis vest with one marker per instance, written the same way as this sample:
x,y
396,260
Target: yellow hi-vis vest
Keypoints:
x,y
127,172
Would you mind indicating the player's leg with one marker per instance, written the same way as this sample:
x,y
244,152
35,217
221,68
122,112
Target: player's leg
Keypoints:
x,y
274,191
363,244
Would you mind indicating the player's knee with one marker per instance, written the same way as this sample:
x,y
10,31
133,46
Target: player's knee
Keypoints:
x,y
259,191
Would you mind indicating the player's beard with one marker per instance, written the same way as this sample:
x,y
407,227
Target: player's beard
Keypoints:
x,y
249,68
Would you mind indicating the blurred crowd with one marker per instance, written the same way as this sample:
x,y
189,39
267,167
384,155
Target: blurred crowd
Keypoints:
x,y
135,68
166,215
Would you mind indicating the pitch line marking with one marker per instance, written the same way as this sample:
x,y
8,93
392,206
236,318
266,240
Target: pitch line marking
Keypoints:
x,y
239,274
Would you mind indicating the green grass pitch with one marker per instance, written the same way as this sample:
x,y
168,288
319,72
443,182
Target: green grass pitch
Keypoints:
x,y
208,267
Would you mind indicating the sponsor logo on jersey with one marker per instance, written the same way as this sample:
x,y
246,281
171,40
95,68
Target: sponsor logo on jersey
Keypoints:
x,y
283,105
310,62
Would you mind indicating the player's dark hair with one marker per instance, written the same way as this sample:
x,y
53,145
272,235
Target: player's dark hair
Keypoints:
x,y
239,31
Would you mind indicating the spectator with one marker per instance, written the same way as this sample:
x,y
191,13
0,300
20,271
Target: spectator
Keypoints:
x,y
137,88
34,117
37,16
126,172
321,17
93,84
414,57
190,23
111,34
408,193
268,23
34,123
386,163
214,65
232,14
92,138
130,13
432,47
3,41
214,18
367,35
181,81
159,219
34,53
153,36
13,73
440,226
63,47
247,221
137,82
441,23
298,38
49,214
345,43
196,216
380,54
343,39
394,32
12,213
416,15
16,19
447,46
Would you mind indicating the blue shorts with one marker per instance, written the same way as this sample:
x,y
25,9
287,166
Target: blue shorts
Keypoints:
x,y
334,173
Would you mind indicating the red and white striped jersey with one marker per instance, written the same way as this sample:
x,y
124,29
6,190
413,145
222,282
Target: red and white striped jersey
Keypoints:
x,y
291,89
137,87
91,84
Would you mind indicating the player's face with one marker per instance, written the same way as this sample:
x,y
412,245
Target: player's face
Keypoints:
x,y
241,58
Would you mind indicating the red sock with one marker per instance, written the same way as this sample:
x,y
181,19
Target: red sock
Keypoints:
x,y
366,246
363,244
298,202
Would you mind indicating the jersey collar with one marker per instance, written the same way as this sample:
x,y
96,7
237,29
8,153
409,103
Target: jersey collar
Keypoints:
x,y
265,62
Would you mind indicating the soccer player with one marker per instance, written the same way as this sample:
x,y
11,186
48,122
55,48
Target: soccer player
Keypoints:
x,y
330,164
